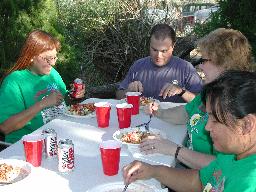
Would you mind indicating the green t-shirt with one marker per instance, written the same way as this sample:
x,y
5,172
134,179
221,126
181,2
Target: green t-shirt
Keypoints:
x,y
199,139
22,89
227,174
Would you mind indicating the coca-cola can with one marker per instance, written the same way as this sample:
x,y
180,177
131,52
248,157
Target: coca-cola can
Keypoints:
x,y
66,156
50,142
77,85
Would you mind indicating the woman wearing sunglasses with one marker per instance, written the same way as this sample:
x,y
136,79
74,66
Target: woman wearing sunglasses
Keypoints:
x,y
231,106
222,49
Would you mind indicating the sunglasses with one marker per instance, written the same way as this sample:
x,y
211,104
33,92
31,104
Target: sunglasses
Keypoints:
x,y
48,59
203,60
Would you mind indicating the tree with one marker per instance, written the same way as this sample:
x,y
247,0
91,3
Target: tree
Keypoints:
x,y
236,14
18,18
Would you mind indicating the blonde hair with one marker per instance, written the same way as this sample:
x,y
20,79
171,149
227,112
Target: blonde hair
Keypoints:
x,y
227,48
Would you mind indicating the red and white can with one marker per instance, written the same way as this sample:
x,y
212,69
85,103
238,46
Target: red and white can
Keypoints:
x,y
77,85
66,155
50,142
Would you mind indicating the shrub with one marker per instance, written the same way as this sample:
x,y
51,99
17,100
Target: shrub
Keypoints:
x,y
236,14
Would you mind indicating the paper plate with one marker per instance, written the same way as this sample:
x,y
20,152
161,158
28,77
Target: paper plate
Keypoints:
x,y
118,134
90,115
70,114
18,170
119,186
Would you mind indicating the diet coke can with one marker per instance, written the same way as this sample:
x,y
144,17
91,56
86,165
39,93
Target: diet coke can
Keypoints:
x,y
77,85
66,156
50,142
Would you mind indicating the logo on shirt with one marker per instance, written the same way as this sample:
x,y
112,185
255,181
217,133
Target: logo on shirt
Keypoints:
x,y
50,88
194,119
51,112
217,183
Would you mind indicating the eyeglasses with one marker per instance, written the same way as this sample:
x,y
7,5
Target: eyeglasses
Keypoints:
x,y
48,59
203,60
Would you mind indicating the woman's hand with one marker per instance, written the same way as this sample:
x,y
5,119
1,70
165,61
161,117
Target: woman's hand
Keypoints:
x,y
137,170
151,108
55,98
80,92
156,144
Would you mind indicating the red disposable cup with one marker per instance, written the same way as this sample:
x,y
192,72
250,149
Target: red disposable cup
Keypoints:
x,y
33,148
103,114
110,156
134,99
124,113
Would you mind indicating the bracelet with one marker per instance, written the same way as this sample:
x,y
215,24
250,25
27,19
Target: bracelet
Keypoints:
x,y
182,92
177,152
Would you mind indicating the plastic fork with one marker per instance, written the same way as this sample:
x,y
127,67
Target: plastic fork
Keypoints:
x,y
125,187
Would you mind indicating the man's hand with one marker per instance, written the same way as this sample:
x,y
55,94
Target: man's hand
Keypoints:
x,y
169,90
135,86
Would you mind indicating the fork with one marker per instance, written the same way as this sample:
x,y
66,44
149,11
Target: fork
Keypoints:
x,y
125,187
147,124
150,117
5,183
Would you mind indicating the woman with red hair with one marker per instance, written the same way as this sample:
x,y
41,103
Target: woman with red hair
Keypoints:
x,y
32,91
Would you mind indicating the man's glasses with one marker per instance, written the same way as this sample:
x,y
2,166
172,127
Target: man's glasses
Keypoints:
x,y
203,60
49,59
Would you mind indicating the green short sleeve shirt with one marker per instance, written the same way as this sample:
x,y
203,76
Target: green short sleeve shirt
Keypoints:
x,y
227,174
22,89
199,139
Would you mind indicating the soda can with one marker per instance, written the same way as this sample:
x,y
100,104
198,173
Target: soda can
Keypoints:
x,y
77,85
66,156
50,142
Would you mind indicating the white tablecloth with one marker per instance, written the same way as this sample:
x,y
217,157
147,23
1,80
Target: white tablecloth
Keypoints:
x,y
86,137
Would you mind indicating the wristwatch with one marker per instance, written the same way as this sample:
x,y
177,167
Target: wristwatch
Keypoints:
x,y
182,92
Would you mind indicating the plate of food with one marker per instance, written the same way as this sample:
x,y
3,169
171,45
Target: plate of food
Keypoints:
x,y
13,170
134,136
80,110
146,100
119,186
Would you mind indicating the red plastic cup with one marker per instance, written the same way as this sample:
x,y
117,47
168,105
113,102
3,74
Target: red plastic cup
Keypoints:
x,y
110,156
124,113
134,99
33,148
103,113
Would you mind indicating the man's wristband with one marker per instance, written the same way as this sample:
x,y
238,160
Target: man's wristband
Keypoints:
x,y
182,92
177,152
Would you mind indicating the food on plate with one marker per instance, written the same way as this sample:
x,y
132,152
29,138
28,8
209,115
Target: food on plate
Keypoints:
x,y
9,173
134,137
81,109
145,100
